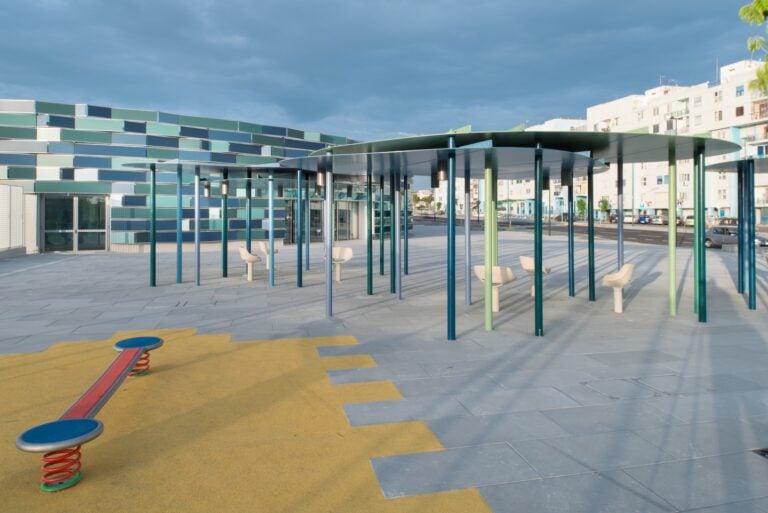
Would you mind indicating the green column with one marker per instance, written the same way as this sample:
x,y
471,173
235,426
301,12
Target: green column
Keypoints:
x,y
224,223
179,215
491,208
381,225
591,226
392,221
369,224
672,227
700,228
299,242
751,221
488,249
741,277
696,223
152,226
451,222
538,243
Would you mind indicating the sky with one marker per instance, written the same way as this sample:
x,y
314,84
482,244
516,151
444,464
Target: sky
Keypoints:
x,y
363,69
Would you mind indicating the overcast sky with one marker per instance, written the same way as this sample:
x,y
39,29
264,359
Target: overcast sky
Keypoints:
x,y
361,68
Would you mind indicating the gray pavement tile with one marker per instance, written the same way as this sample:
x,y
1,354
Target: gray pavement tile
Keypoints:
x,y
451,385
586,396
507,427
548,460
629,371
708,481
507,401
634,357
626,415
414,408
609,492
622,389
756,506
708,438
700,384
384,372
708,407
542,378
451,469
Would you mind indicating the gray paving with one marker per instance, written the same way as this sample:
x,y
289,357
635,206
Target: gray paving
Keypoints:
x,y
606,412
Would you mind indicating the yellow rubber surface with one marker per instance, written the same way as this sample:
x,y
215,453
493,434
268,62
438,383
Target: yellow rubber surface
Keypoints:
x,y
215,427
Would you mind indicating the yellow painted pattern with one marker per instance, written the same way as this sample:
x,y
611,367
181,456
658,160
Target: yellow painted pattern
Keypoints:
x,y
216,426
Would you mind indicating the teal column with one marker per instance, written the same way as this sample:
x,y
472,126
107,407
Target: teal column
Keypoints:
x,y
381,225
197,226
392,221
751,221
179,216
700,228
467,231
307,224
369,224
152,226
741,280
566,179
299,218
328,233
488,247
248,210
591,226
451,222
672,226
271,208
620,200
224,224
538,247
405,223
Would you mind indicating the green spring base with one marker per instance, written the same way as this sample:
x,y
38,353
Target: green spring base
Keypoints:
x,y
62,485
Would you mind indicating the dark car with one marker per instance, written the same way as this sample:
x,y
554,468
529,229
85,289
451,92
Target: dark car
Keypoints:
x,y
644,219
720,235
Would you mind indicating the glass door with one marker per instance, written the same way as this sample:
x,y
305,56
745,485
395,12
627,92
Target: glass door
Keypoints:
x,y
75,223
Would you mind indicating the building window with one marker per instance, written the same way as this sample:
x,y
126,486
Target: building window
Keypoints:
x,y
721,175
656,128
685,177
661,180
656,110
639,115
761,151
643,181
739,111
697,120
718,97
696,101
740,90
718,115
721,194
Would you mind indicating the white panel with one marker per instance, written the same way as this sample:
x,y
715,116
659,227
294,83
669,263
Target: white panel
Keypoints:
x,y
17,217
48,134
5,217
23,146
81,110
116,200
52,174
22,106
123,187
30,223
86,174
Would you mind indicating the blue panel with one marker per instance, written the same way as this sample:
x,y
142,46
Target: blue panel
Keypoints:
x,y
134,201
189,213
188,131
166,178
279,213
17,159
273,130
233,202
296,153
166,224
223,157
99,112
237,224
102,162
61,147
67,173
226,135
164,117
130,225
303,145
122,176
206,145
139,140
112,151
194,155
60,121
166,142
135,126
253,149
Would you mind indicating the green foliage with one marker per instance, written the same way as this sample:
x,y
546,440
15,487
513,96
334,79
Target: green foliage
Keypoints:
x,y
581,207
604,205
755,13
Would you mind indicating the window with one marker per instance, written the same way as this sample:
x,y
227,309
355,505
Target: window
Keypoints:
x,y
740,90
656,128
696,101
739,111
671,124
656,110
718,97
643,181
722,194
685,177
718,115
639,115
697,120
721,175
661,179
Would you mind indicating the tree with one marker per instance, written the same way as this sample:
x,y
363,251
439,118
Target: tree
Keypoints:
x,y
755,13
581,207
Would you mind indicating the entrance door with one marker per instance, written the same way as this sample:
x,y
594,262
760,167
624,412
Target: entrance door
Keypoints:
x,y
75,223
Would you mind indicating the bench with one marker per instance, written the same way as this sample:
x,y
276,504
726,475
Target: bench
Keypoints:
x,y
618,281
499,276
263,246
61,439
249,260
529,266
340,255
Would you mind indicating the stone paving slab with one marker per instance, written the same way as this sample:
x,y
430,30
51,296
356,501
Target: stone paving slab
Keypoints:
x,y
412,408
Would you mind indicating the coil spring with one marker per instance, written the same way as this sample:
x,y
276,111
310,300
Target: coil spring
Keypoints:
x,y
141,366
60,466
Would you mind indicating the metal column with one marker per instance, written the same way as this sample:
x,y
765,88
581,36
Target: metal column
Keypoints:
x,y
591,226
392,221
538,247
451,223
271,208
197,225
566,178
672,227
750,204
398,245
152,226
328,235
700,258
224,226
488,248
742,197
307,224
248,210
467,231
381,225
620,200
405,223
299,218
179,216
369,225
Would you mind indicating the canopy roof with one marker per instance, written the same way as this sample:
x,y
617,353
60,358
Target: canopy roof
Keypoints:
x,y
761,166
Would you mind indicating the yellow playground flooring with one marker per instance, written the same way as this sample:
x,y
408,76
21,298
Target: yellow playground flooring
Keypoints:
x,y
214,427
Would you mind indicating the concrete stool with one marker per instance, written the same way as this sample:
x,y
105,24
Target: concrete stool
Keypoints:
x,y
263,246
499,276
618,281
529,266
249,260
340,255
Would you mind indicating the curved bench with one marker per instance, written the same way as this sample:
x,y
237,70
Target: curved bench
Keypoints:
x,y
529,266
499,276
61,439
263,246
249,260
340,255
618,281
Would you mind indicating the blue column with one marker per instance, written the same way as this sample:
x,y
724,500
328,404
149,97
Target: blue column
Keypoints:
x,y
538,247
750,190
224,225
381,225
248,210
591,226
197,225
741,280
271,228
179,216
152,226
405,223
369,225
567,180
299,215
307,224
392,221
451,213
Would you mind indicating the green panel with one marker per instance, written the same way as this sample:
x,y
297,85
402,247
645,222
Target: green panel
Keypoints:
x,y
332,139
18,119
166,189
137,115
166,213
53,160
278,152
242,126
158,153
67,134
312,136
10,132
121,237
215,224
154,128
296,134
190,144
166,202
54,108
222,146
703,134
130,213
221,124
22,173
107,125
641,130
253,159
268,139
74,187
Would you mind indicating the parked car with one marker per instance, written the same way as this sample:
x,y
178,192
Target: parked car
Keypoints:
x,y
726,221
629,218
720,235
660,219
644,219
688,221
